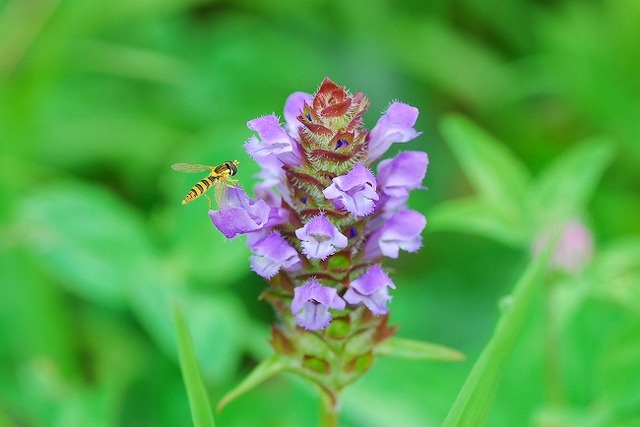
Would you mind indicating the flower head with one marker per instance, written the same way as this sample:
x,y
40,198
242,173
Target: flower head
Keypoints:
x,y
318,197
311,304
320,238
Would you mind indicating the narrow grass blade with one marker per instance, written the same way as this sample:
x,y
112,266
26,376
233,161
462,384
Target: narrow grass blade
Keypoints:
x,y
475,399
198,399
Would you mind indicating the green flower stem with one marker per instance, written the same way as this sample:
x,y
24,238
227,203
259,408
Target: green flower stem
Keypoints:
x,y
329,410
553,384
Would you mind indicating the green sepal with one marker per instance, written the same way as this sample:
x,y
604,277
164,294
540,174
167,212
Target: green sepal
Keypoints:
x,y
196,392
420,350
266,369
339,329
360,364
319,366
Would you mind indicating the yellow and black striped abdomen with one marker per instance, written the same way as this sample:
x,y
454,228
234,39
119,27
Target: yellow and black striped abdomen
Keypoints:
x,y
199,189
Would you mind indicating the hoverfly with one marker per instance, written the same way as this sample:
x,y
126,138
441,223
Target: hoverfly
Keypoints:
x,y
219,176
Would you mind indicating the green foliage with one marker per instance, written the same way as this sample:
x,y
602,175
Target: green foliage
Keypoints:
x,y
475,400
198,399
537,108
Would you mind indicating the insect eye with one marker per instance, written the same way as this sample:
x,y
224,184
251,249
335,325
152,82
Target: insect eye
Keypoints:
x,y
232,167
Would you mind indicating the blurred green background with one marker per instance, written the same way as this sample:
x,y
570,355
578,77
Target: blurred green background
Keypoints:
x,y
98,99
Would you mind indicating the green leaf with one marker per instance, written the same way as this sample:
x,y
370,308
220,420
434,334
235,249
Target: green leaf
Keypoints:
x,y
412,349
497,176
196,391
475,399
86,238
265,370
563,189
478,217
219,326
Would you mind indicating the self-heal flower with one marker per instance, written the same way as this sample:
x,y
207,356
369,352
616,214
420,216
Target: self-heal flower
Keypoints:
x,y
238,214
355,191
270,254
401,231
405,172
396,125
371,290
322,224
273,140
320,238
311,304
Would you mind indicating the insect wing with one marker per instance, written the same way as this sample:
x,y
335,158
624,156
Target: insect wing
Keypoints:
x,y
221,189
191,167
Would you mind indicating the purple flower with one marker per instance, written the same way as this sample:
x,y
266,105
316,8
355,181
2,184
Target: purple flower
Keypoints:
x,y
273,140
401,231
371,290
311,304
405,172
271,172
270,254
320,238
355,191
292,109
396,125
238,214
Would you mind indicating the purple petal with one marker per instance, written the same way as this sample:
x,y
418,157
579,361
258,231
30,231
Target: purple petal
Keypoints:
x,y
405,172
401,231
292,109
238,214
355,191
371,290
320,238
395,125
273,140
271,172
311,303
272,253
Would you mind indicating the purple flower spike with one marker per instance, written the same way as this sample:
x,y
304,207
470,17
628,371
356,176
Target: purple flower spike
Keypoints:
x,y
396,125
293,107
401,231
405,172
238,214
270,254
356,191
273,140
320,238
311,304
371,290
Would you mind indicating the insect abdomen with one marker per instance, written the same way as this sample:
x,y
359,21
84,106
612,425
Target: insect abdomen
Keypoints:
x,y
199,189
